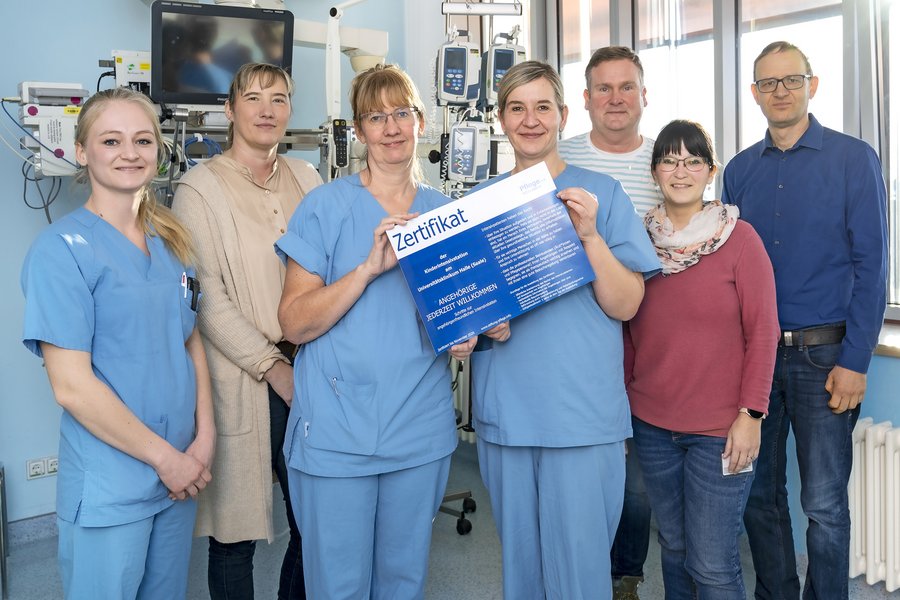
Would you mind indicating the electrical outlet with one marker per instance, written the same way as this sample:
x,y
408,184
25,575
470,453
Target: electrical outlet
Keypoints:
x,y
35,468
52,465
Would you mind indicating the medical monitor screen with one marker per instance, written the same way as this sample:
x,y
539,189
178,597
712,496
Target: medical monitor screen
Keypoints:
x,y
197,48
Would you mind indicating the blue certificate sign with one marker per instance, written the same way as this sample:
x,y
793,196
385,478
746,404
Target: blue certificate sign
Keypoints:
x,y
490,256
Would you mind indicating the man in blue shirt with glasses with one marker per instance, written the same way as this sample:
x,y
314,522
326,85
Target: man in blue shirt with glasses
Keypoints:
x,y
817,199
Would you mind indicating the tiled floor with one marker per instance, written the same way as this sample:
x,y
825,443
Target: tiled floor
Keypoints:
x,y
462,567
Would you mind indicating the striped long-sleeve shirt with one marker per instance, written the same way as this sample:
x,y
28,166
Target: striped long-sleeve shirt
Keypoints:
x,y
632,169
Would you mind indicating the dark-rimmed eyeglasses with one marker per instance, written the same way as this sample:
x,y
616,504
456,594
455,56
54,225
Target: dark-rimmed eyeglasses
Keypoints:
x,y
691,163
379,119
790,82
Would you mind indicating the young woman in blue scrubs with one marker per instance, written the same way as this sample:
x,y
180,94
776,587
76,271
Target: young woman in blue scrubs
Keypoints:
x,y
372,426
110,307
550,409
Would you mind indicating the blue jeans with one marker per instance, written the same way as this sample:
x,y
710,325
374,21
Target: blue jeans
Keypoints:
x,y
230,571
698,511
629,551
824,453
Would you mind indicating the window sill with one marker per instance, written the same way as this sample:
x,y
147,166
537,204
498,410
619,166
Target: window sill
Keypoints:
x,y
889,340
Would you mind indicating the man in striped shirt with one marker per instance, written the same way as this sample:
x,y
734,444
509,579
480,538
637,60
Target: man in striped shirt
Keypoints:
x,y
615,99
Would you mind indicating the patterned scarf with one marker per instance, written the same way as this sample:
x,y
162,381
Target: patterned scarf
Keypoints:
x,y
706,232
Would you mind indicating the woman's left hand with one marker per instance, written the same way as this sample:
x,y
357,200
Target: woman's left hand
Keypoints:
x,y
462,351
582,206
203,449
742,444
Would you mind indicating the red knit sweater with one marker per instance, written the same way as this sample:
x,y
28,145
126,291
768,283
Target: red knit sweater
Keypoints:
x,y
703,343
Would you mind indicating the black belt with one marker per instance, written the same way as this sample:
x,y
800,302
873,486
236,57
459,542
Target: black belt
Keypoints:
x,y
814,336
287,348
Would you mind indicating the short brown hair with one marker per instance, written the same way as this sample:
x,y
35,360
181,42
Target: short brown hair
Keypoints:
x,y
609,53
775,47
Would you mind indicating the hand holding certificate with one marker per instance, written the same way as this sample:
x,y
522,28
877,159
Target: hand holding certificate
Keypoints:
x,y
490,256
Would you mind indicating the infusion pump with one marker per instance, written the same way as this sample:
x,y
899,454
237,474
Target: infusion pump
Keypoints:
x,y
457,73
468,151
495,62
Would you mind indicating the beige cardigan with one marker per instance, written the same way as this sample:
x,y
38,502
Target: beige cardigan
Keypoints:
x,y
237,505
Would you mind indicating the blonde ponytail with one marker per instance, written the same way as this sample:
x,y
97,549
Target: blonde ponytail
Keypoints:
x,y
159,220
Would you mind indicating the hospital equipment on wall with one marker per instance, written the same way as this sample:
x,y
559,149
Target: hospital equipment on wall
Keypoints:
x,y
192,117
47,116
42,134
469,146
472,148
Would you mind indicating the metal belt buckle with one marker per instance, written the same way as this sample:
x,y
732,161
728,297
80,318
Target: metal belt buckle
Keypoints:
x,y
788,338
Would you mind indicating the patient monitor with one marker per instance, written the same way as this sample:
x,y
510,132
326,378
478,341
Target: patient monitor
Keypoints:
x,y
495,62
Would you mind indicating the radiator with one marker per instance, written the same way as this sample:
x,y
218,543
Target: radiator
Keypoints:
x,y
875,503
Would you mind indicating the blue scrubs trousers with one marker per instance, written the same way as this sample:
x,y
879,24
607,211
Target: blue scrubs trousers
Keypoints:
x,y
557,510
144,560
368,538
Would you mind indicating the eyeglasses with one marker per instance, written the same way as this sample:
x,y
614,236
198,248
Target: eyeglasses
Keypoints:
x,y
790,82
402,116
691,163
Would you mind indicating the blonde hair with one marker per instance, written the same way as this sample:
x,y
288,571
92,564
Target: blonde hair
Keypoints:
x,y
266,74
156,219
526,72
371,88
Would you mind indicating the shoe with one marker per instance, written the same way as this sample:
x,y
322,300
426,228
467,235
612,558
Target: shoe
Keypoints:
x,y
625,588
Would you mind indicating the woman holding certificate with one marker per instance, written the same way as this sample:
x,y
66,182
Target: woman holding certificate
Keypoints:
x,y
372,425
549,399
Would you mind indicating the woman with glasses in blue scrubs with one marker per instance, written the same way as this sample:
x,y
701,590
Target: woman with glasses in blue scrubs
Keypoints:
x,y
111,308
372,424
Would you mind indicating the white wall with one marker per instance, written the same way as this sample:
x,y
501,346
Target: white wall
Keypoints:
x,y
61,41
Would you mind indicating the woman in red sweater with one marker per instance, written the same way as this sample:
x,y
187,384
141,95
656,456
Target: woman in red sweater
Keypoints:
x,y
699,360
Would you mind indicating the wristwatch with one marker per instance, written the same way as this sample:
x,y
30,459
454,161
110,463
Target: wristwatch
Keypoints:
x,y
753,414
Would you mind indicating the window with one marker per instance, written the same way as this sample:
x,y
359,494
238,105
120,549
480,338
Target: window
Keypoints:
x,y
584,27
675,43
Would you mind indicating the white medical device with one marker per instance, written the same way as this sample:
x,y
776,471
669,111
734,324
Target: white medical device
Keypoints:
x,y
49,112
495,62
468,152
457,73
132,69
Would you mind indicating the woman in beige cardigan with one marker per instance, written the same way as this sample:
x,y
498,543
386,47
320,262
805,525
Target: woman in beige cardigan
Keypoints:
x,y
236,205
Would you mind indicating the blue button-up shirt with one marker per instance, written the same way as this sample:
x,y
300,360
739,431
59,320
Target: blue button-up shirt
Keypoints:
x,y
820,208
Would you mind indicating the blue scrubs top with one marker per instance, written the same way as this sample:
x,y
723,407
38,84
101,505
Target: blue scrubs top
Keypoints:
x,y
88,288
370,396
558,380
